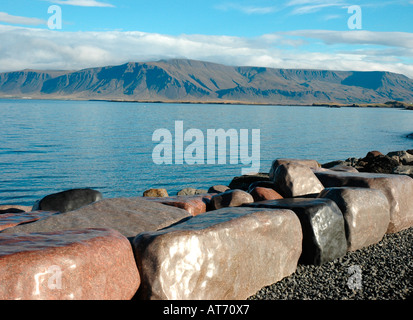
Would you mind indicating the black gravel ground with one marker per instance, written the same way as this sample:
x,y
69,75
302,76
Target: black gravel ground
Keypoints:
x,y
386,274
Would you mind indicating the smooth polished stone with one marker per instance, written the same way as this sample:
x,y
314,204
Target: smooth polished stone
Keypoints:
x,y
9,220
295,180
129,216
226,254
244,181
322,222
366,213
230,198
397,188
86,264
68,200
156,192
304,162
195,204
14,208
263,194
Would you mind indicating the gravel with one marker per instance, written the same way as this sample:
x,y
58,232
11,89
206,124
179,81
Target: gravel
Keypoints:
x,y
385,273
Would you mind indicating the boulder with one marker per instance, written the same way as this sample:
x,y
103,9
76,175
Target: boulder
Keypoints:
x,y
68,200
86,264
14,208
403,157
398,190
322,223
191,192
304,162
262,184
345,168
129,216
243,182
12,219
218,189
230,198
294,180
263,194
366,214
407,170
227,254
195,204
156,192
379,164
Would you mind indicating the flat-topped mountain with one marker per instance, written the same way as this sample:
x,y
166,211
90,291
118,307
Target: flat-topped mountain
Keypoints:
x,y
182,80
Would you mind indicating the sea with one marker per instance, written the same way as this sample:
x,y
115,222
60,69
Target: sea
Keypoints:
x,y
124,148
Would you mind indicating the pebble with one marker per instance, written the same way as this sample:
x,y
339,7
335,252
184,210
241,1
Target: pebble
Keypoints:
x,y
386,274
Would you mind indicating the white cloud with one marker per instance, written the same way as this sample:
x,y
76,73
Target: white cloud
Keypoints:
x,y
22,48
82,3
311,6
7,18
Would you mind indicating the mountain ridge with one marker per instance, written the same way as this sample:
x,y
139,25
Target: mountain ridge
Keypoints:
x,y
184,80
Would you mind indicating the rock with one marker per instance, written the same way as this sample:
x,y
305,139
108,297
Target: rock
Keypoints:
x,y
331,164
407,170
160,192
379,164
68,200
397,188
14,209
403,157
344,168
191,192
87,264
263,194
294,180
366,214
304,162
195,204
230,198
12,219
322,222
243,182
373,154
218,189
129,216
262,184
410,151
227,254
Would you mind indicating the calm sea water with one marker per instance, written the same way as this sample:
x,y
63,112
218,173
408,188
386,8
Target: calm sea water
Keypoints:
x,y
51,146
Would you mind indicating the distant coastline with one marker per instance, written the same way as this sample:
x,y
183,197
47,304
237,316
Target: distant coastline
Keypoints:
x,y
389,104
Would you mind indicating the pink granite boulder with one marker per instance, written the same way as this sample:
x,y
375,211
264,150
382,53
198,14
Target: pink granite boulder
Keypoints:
x,y
295,180
227,254
195,204
366,214
263,194
304,162
9,220
398,190
86,264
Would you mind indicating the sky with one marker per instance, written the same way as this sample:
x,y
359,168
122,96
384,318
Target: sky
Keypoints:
x,y
361,35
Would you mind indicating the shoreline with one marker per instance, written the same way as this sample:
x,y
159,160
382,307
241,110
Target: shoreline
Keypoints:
x,y
387,105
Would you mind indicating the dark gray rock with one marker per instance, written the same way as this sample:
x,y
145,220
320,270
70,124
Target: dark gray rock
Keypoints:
x,y
243,182
68,200
322,222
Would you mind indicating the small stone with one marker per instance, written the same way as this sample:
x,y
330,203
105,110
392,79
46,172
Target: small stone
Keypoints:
x,y
191,192
14,209
230,198
156,192
218,189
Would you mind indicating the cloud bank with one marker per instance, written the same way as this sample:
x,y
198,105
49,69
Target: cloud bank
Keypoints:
x,y
33,48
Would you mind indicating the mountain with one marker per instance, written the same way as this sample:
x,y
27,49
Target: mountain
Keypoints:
x,y
181,80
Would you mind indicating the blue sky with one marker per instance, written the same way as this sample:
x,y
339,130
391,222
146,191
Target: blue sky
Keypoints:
x,y
274,33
